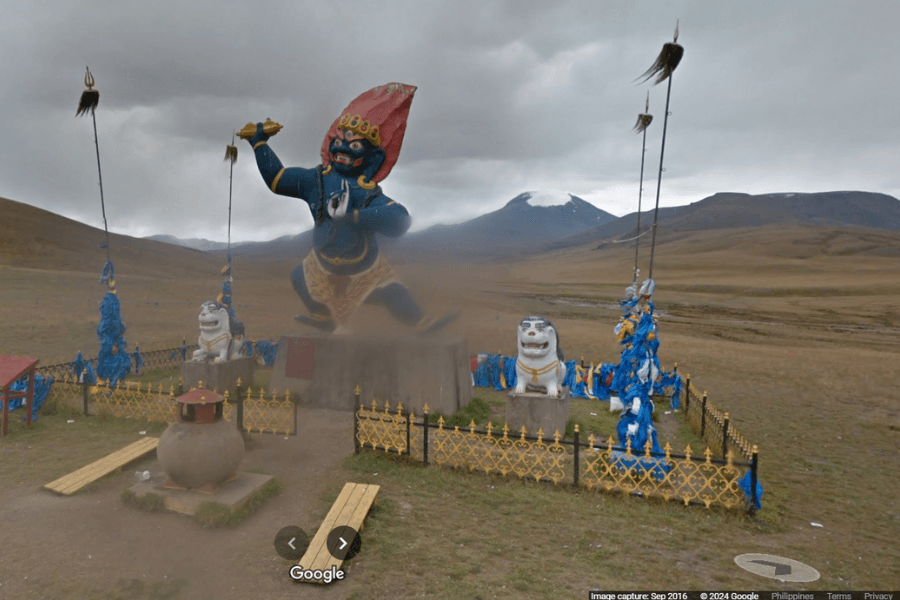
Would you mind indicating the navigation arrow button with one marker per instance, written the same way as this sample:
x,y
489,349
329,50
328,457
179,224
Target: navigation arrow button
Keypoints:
x,y
291,543
343,542
776,567
780,568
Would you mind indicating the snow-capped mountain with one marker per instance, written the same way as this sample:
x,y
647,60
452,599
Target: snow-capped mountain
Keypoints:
x,y
528,221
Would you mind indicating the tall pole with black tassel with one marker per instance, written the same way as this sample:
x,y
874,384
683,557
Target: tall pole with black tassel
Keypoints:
x,y
113,360
235,326
643,121
90,98
663,68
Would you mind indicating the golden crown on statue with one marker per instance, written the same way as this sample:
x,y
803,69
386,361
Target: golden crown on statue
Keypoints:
x,y
361,128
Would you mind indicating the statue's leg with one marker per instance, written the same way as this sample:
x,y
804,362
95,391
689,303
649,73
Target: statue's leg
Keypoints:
x,y
320,315
398,300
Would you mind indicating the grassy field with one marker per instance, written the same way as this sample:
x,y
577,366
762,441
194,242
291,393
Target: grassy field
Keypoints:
x,y
793,331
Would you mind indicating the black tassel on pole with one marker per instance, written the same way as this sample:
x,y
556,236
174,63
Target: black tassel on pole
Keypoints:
x,y
643,121
663,68
231,154
90,98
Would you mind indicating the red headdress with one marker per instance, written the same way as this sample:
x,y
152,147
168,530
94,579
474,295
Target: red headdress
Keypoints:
x,y
380,116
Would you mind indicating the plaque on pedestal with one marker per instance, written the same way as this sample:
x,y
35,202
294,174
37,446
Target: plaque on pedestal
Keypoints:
x,y
537,411
325,370
221,377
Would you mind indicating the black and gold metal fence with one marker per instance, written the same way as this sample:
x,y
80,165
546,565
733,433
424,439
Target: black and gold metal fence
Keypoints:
x,y
712,425
680,477
251,412
259,414
684,477
152,360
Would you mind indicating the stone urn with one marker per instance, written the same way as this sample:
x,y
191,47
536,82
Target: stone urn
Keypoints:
x,y
200,450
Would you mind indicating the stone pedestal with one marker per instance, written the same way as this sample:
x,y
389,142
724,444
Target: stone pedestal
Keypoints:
x,y
233,494
221,377
537,411
323,370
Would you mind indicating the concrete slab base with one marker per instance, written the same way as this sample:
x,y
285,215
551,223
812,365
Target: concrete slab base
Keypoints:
x,y
537,411
325,369
232,494
220,377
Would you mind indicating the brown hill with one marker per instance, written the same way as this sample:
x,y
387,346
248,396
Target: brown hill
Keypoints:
x,y
35,238
780,240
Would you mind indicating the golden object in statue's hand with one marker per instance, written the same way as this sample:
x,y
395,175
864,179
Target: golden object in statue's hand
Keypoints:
x,y
270,128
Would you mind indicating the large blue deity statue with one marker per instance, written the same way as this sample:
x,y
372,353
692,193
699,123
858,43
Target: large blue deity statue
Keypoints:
x,y
345,267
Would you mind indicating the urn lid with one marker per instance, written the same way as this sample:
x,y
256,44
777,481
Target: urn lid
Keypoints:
x,y
199,396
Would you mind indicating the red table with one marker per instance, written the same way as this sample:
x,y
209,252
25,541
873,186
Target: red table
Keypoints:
x,y
12,368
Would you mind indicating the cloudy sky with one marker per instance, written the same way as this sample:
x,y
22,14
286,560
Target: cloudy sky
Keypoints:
x,y
512,96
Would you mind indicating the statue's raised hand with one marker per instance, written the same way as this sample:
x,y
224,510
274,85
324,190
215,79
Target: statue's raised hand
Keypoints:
x,y
259,132
339,201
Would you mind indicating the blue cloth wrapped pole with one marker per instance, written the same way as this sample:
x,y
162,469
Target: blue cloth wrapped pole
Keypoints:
x,y
268,350
42,387
744,484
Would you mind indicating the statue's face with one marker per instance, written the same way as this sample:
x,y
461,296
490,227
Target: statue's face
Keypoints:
x,y
536,337
350,153
213,318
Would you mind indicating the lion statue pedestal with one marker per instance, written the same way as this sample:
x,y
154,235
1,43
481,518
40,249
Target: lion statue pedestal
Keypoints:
x,y
536,411
219,376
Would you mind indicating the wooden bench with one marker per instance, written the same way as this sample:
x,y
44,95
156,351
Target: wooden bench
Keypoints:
x,y
73,482
350,509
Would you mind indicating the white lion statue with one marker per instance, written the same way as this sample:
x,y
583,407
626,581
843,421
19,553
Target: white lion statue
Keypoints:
x,y
221,334
540,365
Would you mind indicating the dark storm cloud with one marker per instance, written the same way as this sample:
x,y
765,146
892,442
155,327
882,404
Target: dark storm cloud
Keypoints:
x,y
512,96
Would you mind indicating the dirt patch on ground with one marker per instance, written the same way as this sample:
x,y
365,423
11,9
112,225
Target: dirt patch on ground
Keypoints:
x,y
91,545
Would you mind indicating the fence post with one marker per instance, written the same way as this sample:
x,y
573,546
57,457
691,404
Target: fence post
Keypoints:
x,y
425,434
239,399
703,416
84,396
725,435
687,394
408,419
754,473
356,419
575,483
294,405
